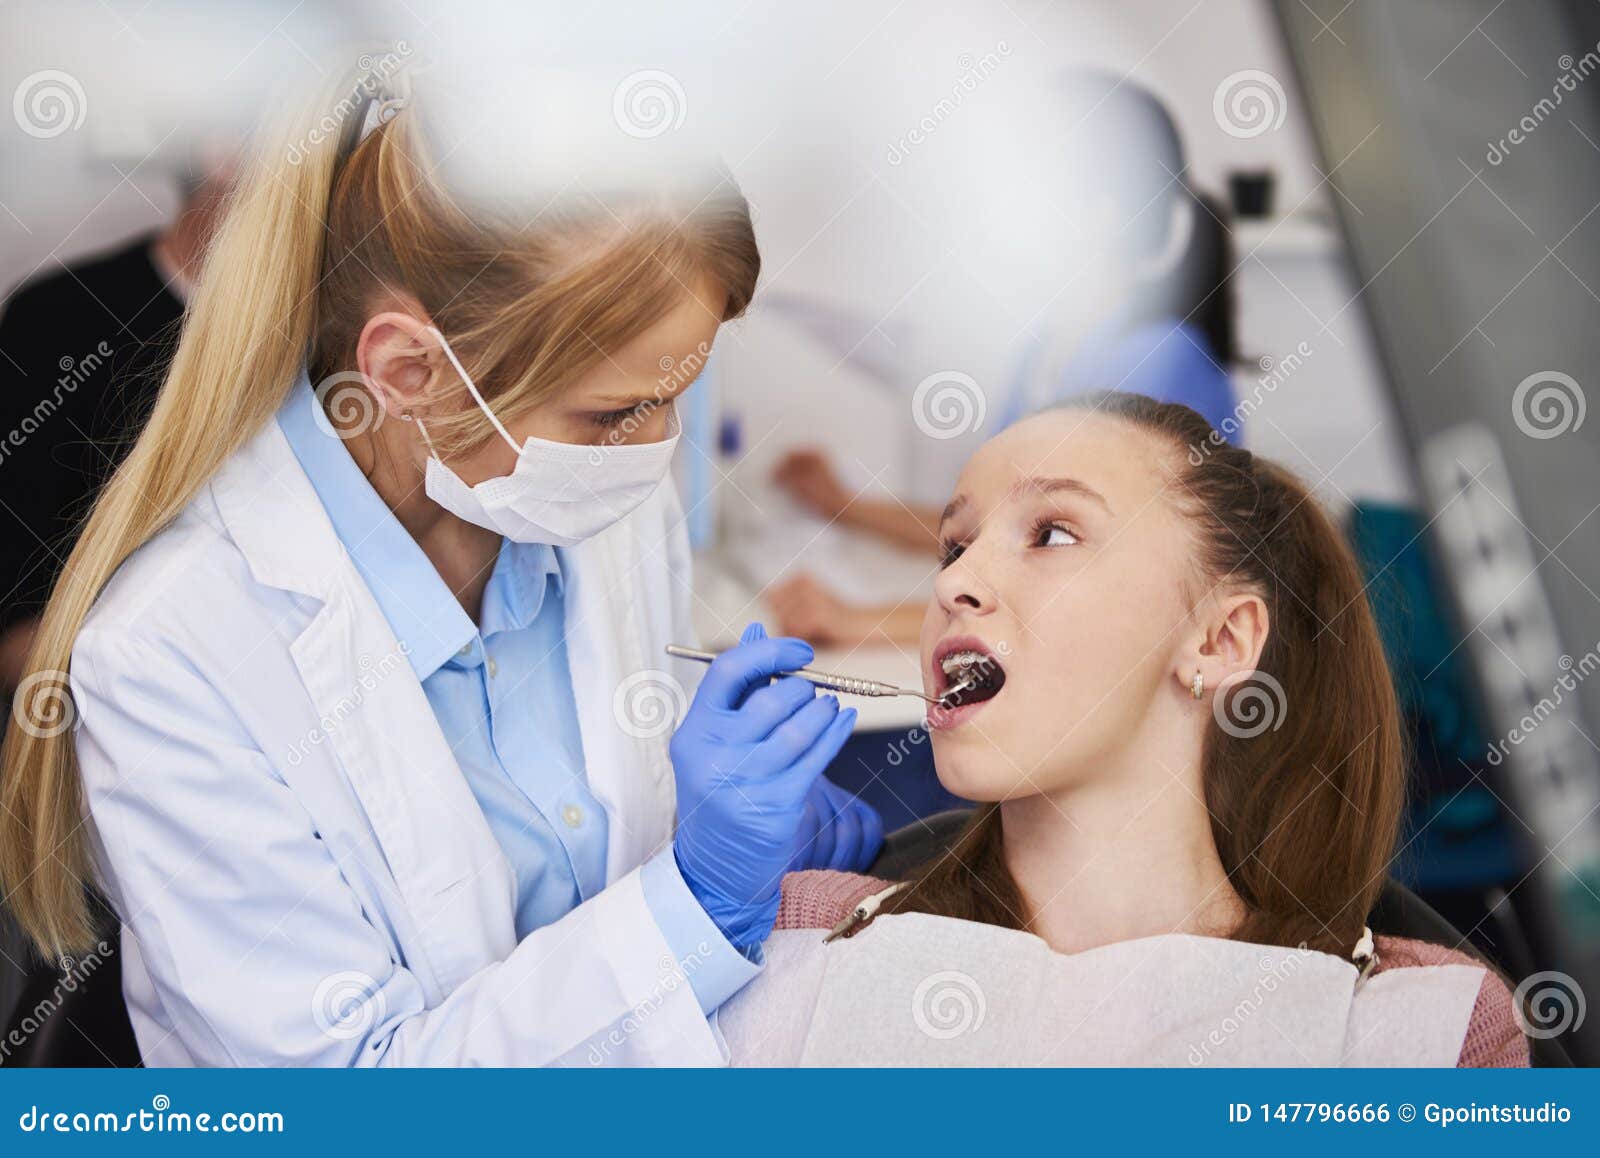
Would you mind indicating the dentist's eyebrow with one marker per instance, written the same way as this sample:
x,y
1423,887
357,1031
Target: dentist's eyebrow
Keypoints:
x,y
620,400
1050,486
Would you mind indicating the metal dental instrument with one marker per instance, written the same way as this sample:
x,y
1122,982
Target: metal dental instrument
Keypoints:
x,y
834,682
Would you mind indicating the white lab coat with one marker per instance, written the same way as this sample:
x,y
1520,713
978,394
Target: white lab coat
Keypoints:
x,y
303,874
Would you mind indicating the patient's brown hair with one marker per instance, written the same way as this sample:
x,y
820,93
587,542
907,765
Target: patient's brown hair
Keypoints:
x,y
1305,815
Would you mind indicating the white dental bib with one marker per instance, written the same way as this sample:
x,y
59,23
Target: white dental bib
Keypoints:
x,y
918,990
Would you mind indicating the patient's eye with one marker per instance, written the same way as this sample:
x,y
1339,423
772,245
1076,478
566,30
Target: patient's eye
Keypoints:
x,y
949,552
1047,533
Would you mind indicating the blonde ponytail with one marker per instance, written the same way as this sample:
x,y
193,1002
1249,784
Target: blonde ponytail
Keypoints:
x,y
244,341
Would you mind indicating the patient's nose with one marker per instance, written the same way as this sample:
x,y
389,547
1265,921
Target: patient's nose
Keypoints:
x,y
960,588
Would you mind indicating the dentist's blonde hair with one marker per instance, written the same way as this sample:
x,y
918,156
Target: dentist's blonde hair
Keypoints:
x,y
314,235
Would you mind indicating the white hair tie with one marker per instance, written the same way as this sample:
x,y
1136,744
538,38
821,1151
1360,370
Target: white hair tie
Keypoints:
x,y
380,112
384,85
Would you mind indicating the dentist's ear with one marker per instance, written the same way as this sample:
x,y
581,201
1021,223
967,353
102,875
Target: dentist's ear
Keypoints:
x,y
1232,636
400,360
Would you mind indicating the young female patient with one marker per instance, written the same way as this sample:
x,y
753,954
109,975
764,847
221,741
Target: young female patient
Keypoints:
x,y
1184,725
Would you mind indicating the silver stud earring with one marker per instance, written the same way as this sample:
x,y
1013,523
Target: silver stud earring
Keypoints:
x,y
1197,686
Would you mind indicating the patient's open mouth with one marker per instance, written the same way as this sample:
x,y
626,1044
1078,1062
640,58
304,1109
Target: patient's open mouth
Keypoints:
x,y
974,676
969,676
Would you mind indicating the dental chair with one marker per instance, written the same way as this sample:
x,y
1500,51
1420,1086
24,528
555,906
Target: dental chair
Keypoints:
x,y
1398,913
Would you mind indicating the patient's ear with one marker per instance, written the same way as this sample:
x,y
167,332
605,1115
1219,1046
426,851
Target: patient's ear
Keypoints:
x,y
1232,636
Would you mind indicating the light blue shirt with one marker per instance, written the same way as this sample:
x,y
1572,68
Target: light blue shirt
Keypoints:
x,y
503,697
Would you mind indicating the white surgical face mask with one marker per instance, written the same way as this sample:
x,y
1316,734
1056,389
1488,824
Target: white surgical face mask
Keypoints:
x,y
559,493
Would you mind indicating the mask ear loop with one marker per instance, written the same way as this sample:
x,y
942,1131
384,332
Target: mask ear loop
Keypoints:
x,y
478,398
407,416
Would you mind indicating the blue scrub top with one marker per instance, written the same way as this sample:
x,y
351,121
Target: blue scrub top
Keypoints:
x,y
503,696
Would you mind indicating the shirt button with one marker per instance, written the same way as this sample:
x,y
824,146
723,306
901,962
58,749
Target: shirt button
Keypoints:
x,y
466,650
494,669
573,815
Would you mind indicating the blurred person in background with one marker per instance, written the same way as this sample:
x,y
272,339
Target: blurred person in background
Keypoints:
x,y
1168,333
84,352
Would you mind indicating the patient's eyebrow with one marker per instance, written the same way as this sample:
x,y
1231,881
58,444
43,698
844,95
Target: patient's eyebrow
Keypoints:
x,y
1052,485
953,508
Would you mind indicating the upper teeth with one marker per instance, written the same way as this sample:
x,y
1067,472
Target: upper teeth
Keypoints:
x,y
958,660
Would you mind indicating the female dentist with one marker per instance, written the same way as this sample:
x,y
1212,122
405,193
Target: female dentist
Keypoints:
x,y
351,665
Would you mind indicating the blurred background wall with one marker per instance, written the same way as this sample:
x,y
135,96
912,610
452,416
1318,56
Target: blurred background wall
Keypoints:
x,y
938,244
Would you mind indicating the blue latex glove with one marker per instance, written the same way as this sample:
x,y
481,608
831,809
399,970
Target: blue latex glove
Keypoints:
x,y
846,833
746,758
839,830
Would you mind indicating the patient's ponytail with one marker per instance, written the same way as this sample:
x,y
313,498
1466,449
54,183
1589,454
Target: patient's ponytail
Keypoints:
x,y
1304,768
1303,765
